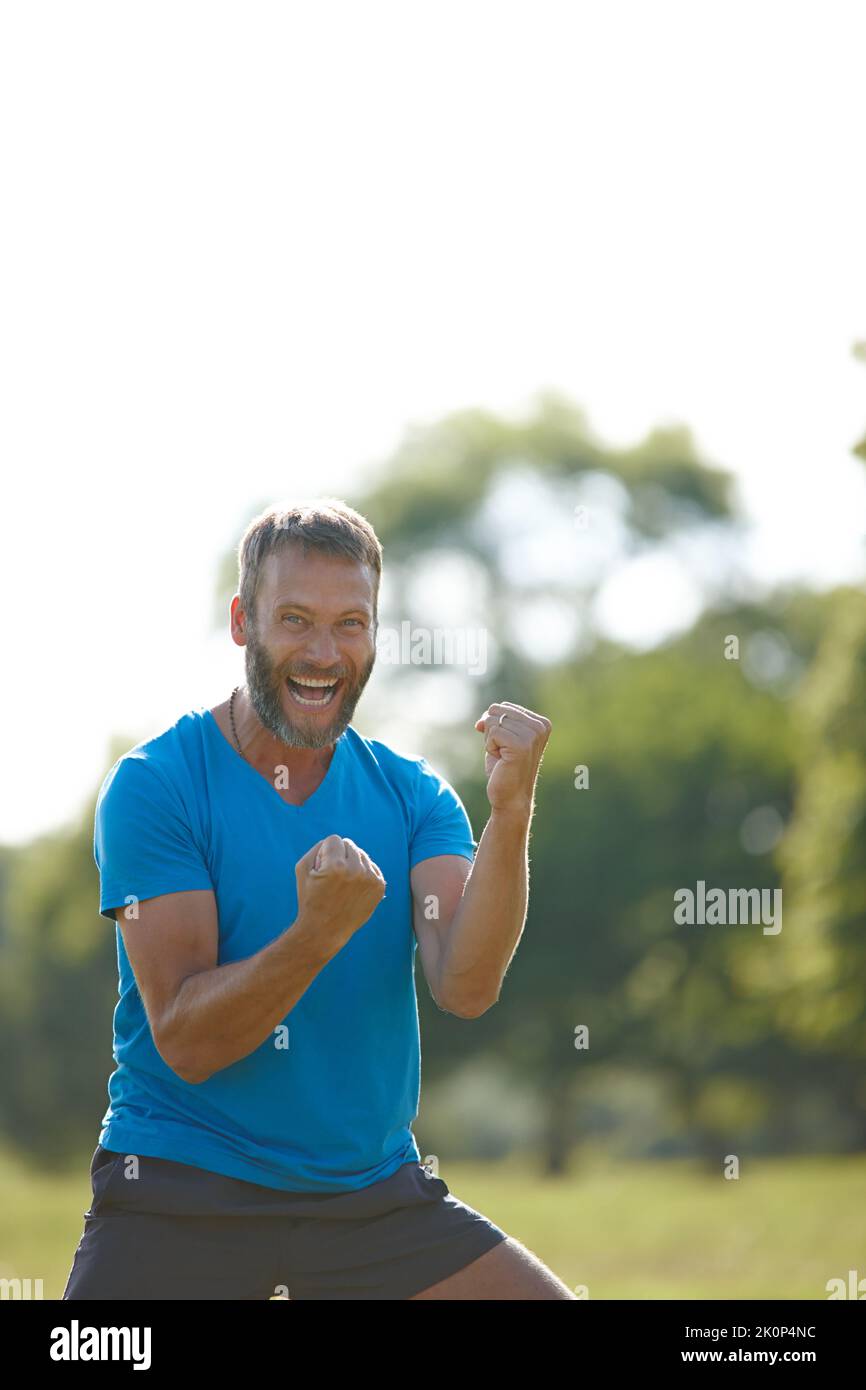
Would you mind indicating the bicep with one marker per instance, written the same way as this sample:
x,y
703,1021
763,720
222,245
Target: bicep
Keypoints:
x,y
437,888
172,937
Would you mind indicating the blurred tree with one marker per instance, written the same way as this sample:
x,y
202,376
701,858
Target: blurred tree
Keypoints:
x,y
58,989
820,991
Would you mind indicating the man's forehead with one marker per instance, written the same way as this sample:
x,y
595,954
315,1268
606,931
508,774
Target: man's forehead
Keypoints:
x,y
290,571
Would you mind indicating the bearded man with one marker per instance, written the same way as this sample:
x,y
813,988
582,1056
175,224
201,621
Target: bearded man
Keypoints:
x,y
271,874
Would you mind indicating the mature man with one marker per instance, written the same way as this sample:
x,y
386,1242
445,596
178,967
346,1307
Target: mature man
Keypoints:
x,y
272,874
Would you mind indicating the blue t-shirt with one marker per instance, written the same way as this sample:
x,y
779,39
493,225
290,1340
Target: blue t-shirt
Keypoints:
x,y
331,1111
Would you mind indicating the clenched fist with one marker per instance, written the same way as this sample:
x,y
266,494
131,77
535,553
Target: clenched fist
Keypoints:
x,y
514,741
339,888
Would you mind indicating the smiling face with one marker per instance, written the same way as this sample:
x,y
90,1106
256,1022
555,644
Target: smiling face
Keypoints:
x,y
311,647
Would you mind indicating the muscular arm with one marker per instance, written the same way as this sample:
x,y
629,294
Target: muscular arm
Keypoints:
x,y
467,949
205,1016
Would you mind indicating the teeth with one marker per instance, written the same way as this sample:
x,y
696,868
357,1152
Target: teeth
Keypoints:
x,y
313,704
330,686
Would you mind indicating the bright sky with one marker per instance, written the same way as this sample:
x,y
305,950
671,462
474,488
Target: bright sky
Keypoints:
x,y
246,245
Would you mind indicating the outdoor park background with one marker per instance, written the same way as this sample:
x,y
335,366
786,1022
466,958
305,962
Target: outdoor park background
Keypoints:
x,y
608,576
705,1041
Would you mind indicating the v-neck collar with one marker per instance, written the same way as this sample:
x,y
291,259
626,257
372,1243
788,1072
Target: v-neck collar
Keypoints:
x,y
238,759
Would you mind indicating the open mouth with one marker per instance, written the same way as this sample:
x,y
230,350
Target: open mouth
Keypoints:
x,y
312,694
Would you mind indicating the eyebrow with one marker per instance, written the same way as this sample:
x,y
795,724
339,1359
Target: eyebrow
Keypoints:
x,y
301,608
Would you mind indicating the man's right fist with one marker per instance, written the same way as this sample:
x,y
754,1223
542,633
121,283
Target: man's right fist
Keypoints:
x,y
339,888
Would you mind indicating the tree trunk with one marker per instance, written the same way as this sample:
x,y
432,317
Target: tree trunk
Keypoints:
x,y
559,1127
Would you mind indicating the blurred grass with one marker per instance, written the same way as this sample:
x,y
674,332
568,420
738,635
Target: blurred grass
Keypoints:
x,y
657,1230
630,1231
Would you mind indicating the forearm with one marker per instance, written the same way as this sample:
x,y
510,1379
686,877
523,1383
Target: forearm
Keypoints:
x,y
219,1016
489,919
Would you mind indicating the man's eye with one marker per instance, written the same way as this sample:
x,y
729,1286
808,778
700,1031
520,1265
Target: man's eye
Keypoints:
x,y
296,618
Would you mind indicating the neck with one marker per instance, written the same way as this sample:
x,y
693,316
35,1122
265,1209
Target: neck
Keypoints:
x,y
265,751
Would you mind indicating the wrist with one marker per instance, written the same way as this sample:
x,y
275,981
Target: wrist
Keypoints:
x,y
319,935
515,817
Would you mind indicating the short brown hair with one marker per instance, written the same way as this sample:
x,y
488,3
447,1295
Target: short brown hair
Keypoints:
x,y
324,523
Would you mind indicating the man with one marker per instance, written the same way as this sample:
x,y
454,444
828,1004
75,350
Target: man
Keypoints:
x,y
266,866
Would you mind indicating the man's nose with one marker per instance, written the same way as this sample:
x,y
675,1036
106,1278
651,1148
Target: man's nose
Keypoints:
x,y
321,648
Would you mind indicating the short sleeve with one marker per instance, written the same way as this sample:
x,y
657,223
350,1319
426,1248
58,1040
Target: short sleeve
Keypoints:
x,y
142,841
441,825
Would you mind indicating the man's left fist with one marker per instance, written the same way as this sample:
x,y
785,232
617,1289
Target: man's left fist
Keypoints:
x,y
514,740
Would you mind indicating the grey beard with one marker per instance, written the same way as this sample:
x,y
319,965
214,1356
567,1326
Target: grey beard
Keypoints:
x,y
264,695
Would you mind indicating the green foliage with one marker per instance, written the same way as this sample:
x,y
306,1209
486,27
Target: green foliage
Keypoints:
x,y
58,988
821,992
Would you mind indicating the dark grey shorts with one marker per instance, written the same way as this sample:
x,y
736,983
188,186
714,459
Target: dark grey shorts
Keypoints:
x,y
179,1232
